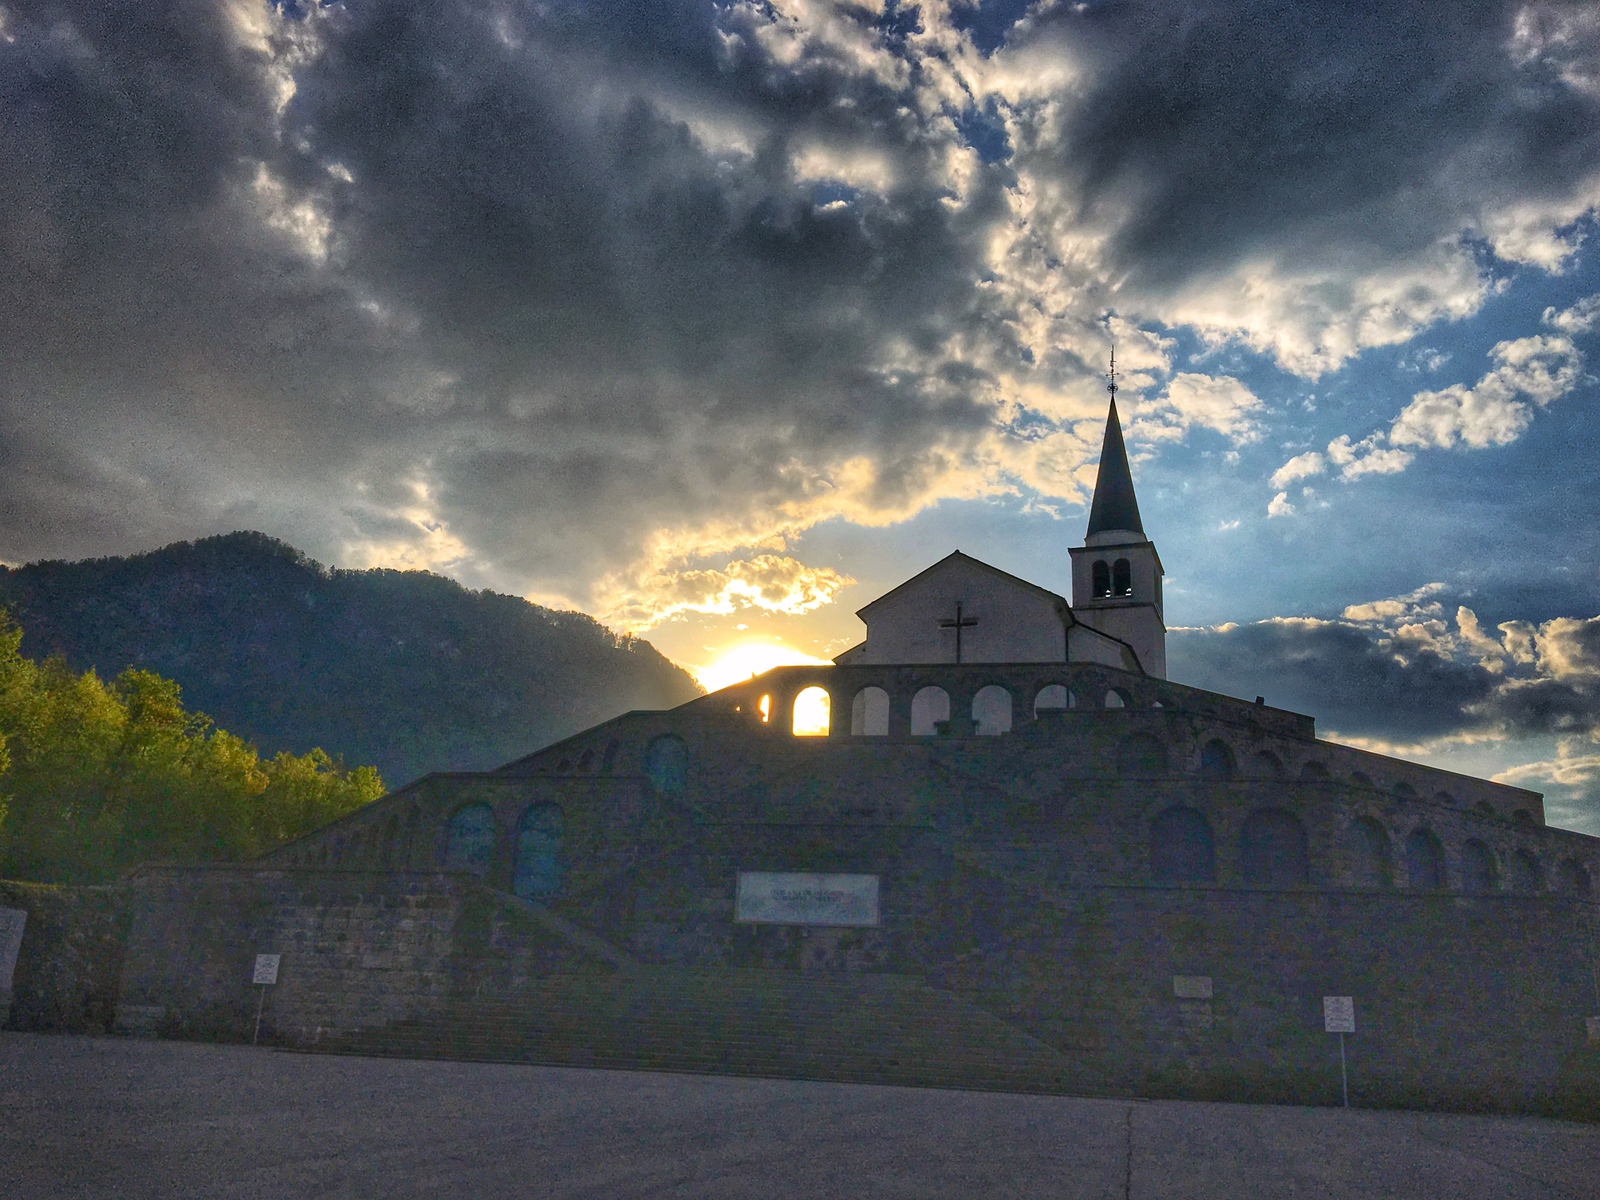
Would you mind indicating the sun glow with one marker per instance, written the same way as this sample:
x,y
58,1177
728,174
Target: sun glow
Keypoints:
x,y
742,662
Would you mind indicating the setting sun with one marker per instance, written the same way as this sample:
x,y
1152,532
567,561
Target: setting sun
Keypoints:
x,y
741,662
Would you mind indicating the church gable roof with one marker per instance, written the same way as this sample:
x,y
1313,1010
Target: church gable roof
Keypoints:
x,y
1114,505
956,558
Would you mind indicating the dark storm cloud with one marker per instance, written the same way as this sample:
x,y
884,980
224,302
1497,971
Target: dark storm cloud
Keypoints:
x,y
517,287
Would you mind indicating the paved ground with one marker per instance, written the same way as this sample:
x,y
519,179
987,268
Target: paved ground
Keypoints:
x,y
99,1117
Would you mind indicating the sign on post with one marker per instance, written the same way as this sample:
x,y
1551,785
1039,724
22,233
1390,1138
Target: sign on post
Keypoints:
x,y
265,974
1339,1016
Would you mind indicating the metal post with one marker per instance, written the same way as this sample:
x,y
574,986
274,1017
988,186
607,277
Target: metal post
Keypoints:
x,y
256,1036
1344,1077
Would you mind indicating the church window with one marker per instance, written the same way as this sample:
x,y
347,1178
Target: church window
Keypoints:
x,y
1575,880
469,840
991,711
1114,699
1122,578
1216,760
1272,849
1477,868
1404,791
1266,764
1527,875
1484,809
1313,770
609,758
869,713
1444,798
930,711
586,760
538,870
1100,575
1052,698
1522,817
666,763
764,709
1369,853
812,713
1360,779
1424,862
1181,849
1141,755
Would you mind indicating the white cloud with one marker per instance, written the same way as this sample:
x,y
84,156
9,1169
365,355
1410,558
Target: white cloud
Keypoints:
x,y
1582,317
1366,457
1531,372
1216,402
1301,466
1279,506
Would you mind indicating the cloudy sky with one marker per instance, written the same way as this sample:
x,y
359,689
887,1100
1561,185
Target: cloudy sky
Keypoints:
x,y
715,320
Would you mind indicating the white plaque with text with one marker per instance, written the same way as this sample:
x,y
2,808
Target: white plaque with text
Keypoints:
x,y
1191,987
266,969
1338,1014
11,922
795,898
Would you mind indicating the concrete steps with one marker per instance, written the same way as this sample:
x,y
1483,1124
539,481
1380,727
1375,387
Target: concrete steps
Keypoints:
x,y
862,1028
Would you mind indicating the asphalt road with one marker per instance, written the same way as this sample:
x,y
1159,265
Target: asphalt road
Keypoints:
x,y
102,1117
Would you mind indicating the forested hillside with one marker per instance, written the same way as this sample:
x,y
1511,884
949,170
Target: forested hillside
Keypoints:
x,y
402,669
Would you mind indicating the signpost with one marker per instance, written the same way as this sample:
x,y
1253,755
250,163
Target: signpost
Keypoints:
x,y
266,974
1339,1016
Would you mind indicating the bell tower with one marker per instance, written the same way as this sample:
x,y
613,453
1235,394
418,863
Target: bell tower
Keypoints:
x,y
1116,573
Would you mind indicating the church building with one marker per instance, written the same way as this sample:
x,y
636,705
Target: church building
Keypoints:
x,y
1018,856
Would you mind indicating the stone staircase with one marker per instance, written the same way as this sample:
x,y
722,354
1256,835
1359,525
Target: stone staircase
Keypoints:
x,y
860,1028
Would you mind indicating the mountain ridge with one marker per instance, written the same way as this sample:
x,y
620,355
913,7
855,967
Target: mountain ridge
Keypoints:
x,y
405,670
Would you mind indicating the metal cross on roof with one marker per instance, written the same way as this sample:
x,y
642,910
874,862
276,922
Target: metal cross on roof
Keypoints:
x,y
958,623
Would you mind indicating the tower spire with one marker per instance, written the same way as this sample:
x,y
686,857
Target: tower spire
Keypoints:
x,y
1114,505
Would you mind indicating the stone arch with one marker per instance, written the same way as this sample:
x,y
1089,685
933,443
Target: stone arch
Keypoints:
x,y
1216,760
1479,876
1360,779
586,759
469,840
1181,847
991,711
1141,755
1527,873
1268,764
811,713
1272,849
930,710
869,713
1370,856
1444,798
1053,697
1522,817
1484,809
1403,791
1424,861
1100,580
1314,769
608,760
666,764
539,868
1114,699
1122,578
1575,879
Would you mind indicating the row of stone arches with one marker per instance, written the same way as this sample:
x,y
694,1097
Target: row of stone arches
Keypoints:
x,y
537,867
992,709
1274,852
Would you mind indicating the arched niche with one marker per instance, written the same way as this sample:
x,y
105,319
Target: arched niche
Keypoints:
x,y
991,711
1053,697
1479,876
811,713
1114,699
1313,769
1122,578
1370,855
1527,873
539,868
1181,847
469,840
869,713
1266,764
1216,760
1272,849
930,709
1424,862
1100,579
666,764
1141,756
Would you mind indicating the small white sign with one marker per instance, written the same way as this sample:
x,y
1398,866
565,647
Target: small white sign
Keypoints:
x,y
1338,1014
783,898
11,922
266,968
1191,987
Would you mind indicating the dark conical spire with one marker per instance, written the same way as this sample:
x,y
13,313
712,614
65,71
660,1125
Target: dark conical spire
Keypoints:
x,y
1114,505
